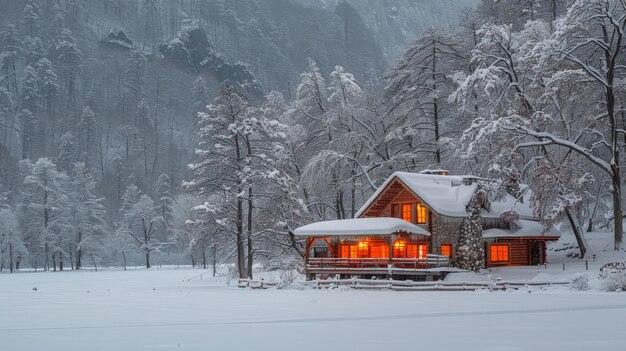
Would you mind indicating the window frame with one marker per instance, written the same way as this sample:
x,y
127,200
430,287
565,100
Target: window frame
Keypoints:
x,y
508,253
449,246
403,212
418,219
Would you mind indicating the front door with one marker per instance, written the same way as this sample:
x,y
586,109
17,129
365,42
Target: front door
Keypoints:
x,y
535,253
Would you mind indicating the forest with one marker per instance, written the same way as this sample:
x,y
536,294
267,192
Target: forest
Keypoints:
x,y
149,132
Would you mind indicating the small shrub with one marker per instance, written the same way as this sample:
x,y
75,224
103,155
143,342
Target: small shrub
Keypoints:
x,y
579,281
614,281
287,278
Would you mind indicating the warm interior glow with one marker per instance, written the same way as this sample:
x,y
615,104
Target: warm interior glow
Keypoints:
x,y
446,250
406,212
402,249
499,253
364,249
379,249
421,213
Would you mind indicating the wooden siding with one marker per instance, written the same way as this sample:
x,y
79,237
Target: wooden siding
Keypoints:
x,y
519,251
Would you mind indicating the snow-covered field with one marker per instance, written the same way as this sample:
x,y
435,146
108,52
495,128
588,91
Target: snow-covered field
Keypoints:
x,y
161,310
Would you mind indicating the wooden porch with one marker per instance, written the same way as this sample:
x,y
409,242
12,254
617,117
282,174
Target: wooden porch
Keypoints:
x,y
393,255
430,266
381,247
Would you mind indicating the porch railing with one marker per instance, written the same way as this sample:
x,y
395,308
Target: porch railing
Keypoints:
x,y
430,261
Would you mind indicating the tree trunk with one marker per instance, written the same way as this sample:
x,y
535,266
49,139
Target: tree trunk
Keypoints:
x,y
93,260
60,261
148,259
214,259
435,104
617,207
240,255
79,251
204,265
11,257
46,254
578,232
250,242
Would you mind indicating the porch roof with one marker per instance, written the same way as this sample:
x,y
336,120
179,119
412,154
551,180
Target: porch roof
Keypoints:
x,y
522,228
360,226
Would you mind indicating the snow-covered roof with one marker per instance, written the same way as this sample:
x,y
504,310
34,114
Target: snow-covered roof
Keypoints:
x,y
446,195
449,195
360,226
508,203
521,228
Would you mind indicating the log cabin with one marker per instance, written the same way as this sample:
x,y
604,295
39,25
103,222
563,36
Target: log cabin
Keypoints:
x,y
410,228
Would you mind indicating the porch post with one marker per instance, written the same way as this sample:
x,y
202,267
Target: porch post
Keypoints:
x,y
390,243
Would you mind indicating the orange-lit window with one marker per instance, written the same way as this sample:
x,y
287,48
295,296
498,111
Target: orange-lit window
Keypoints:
x,y
421,213
446,250
348,251
422,250
354,251
344,251
411,250
399,248
499,253
404,250
364,249
406,212
444,173
379,250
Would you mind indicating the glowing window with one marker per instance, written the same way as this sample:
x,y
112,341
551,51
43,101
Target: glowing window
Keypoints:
x,y
379,250
348,251
446,250
421,213
499,253
422,250
411,251
344,251
414,251
406,212
399,249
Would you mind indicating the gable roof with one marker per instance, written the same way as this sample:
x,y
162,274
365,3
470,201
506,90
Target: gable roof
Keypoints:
x,y
448,195
360,226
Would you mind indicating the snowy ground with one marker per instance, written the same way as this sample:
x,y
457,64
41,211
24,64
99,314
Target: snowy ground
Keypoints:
x,y
160,309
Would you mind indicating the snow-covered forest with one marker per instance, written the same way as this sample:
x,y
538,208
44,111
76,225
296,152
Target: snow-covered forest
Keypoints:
x,y
151,132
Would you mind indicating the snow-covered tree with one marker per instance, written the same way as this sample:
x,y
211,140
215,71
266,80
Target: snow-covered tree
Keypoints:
x,y
141,223
164,200
43,199
415,85
87,216
12,249
87,125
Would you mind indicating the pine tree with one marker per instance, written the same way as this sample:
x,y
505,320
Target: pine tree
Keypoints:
x,y
11,241
66,154
87,215
43,198
88,126
31,17
164,200
9,48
